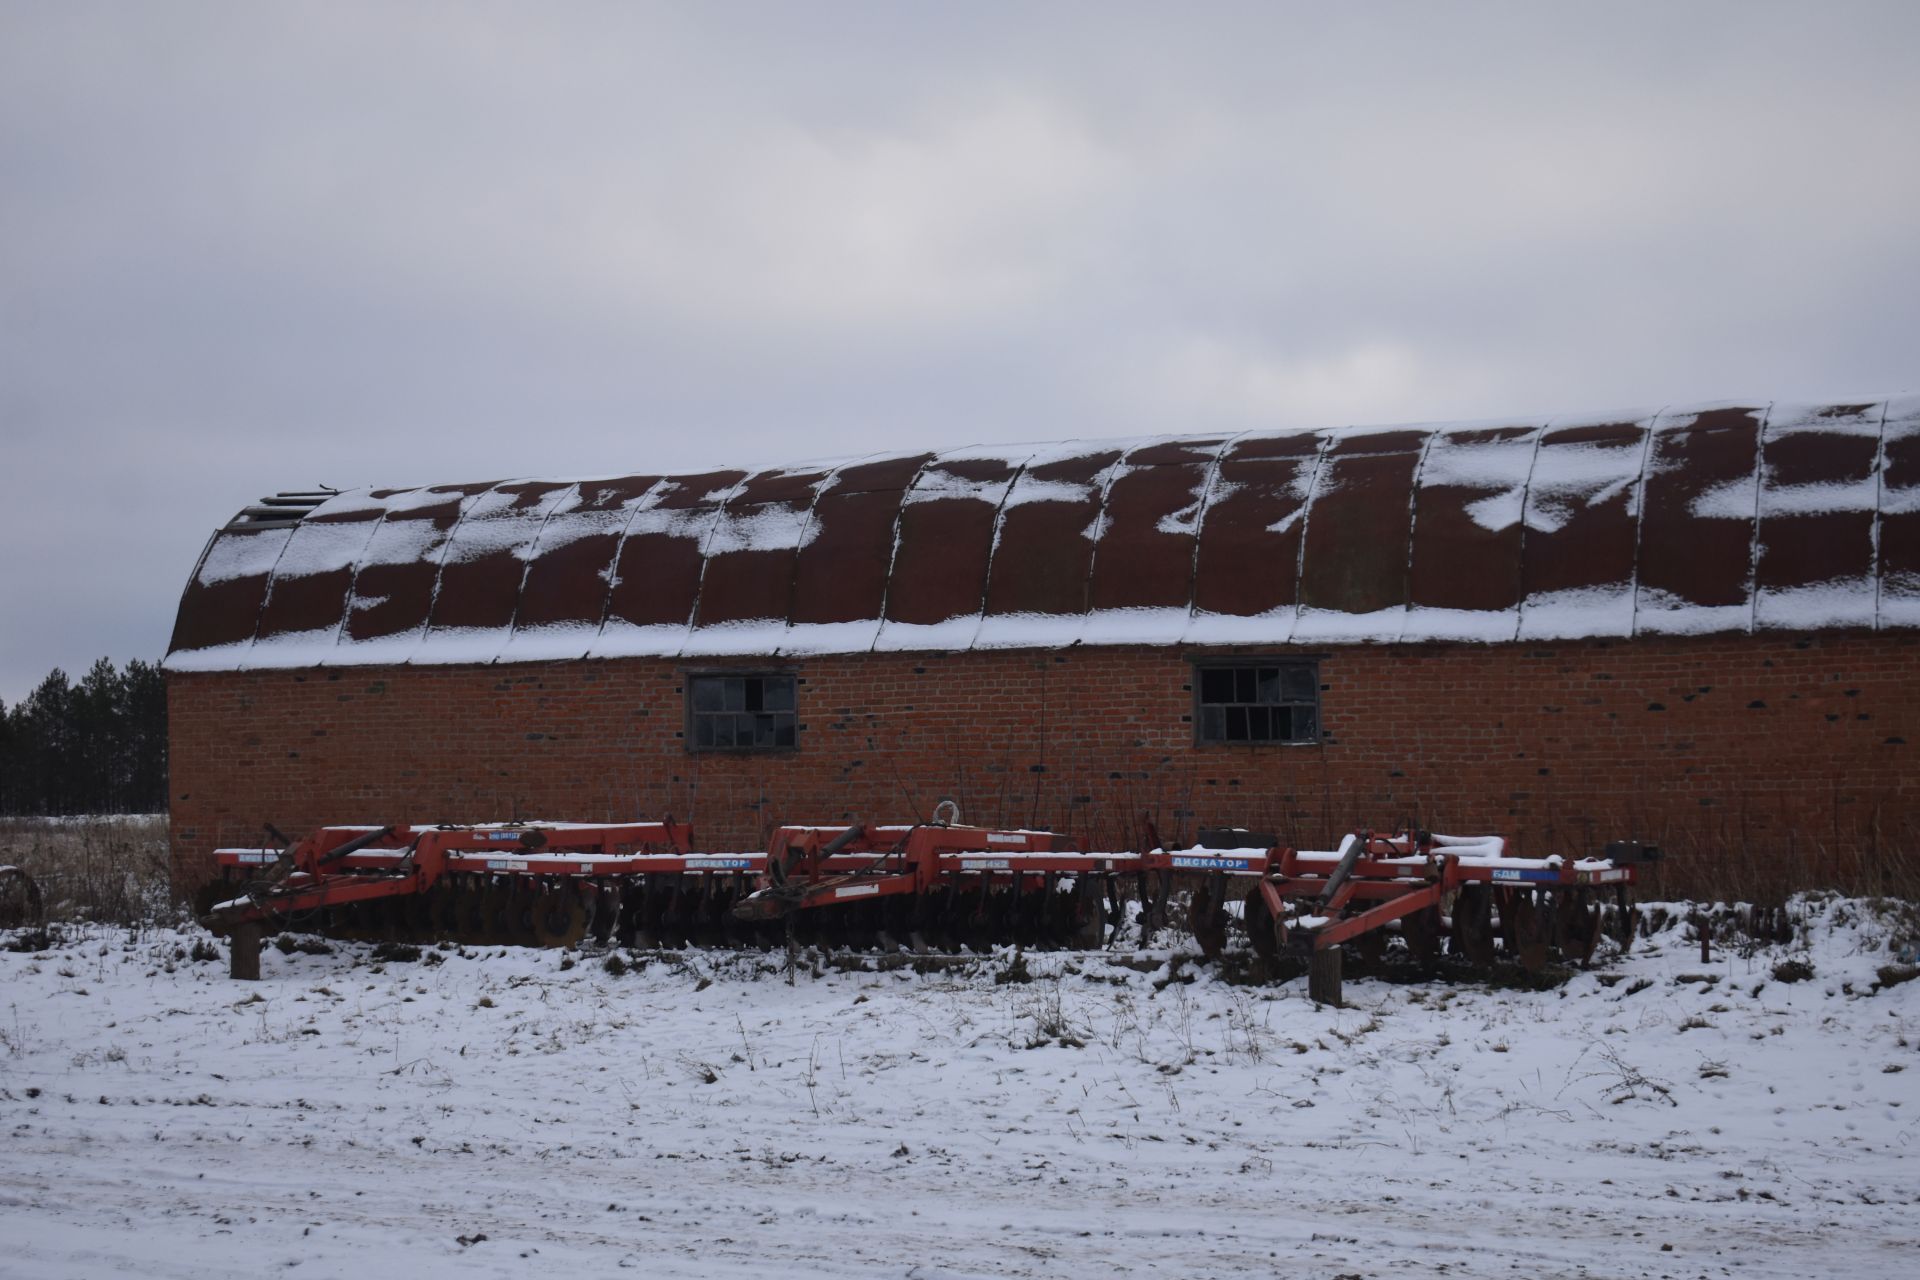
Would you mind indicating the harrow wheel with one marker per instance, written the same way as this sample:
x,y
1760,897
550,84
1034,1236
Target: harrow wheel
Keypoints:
x,y
1265,931
20,901
559,916
1473,937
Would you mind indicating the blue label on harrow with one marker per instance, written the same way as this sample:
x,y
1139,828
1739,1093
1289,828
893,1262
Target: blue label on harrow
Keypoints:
x,y
1523,873
1210,864
502,835
718,864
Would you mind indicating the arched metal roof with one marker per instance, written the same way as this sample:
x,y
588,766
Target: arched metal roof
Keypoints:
x,y
1704,519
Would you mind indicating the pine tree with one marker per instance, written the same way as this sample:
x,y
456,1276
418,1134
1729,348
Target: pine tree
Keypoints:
x,y
146,737
96,747
44,725
7,763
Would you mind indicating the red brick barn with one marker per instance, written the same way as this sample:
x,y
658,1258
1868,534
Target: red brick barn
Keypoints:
x,y
1695,626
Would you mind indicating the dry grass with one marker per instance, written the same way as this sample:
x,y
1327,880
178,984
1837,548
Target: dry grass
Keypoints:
x,y
1769,871
110,870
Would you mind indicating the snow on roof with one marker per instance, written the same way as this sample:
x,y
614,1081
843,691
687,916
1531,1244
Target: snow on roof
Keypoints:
x,y
1728,517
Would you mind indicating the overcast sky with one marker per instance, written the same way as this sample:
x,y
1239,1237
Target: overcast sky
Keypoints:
x,y
247,247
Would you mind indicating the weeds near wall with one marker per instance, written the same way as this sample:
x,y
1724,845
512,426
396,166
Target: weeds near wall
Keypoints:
x,y
106,870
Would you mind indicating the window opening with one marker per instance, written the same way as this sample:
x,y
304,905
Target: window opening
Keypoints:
x,y
741,713
1271,702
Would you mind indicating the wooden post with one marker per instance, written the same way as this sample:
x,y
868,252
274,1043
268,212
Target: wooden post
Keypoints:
x,y
243,951
1323,977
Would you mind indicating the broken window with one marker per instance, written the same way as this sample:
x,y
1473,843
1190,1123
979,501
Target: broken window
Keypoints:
x,y
1257,702
741,713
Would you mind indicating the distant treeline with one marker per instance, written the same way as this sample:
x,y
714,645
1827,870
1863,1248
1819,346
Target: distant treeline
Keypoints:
x,y
99,746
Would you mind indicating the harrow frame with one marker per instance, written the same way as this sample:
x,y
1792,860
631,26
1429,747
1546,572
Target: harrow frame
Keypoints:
x,y
552,882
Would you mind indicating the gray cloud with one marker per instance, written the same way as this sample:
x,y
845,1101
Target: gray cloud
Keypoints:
x,y
248,247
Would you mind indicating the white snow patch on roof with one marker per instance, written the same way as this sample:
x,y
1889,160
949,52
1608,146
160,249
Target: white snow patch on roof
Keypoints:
x,y
234,556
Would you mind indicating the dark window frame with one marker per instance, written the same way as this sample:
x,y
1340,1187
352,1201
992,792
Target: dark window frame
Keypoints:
x,y
1256,709
690,680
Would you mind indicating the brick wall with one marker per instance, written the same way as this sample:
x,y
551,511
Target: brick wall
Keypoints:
x,y
1744,756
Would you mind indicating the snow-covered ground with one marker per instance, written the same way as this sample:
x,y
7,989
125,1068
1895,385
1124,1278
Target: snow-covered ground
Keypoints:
x,y
496,1114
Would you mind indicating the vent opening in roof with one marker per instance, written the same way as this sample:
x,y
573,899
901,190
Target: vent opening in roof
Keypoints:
x,y
280,511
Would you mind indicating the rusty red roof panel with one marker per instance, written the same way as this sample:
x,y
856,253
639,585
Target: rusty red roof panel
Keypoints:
x,y
840,574
1355,559
1700,503
1467,531
563,599
314,576
1818,502
938,581
1249,555
703,491
1144,557
656,578
482,568
1898,601
749,562
892,474
394,582
792,486
220,609
1582,529
1044,549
